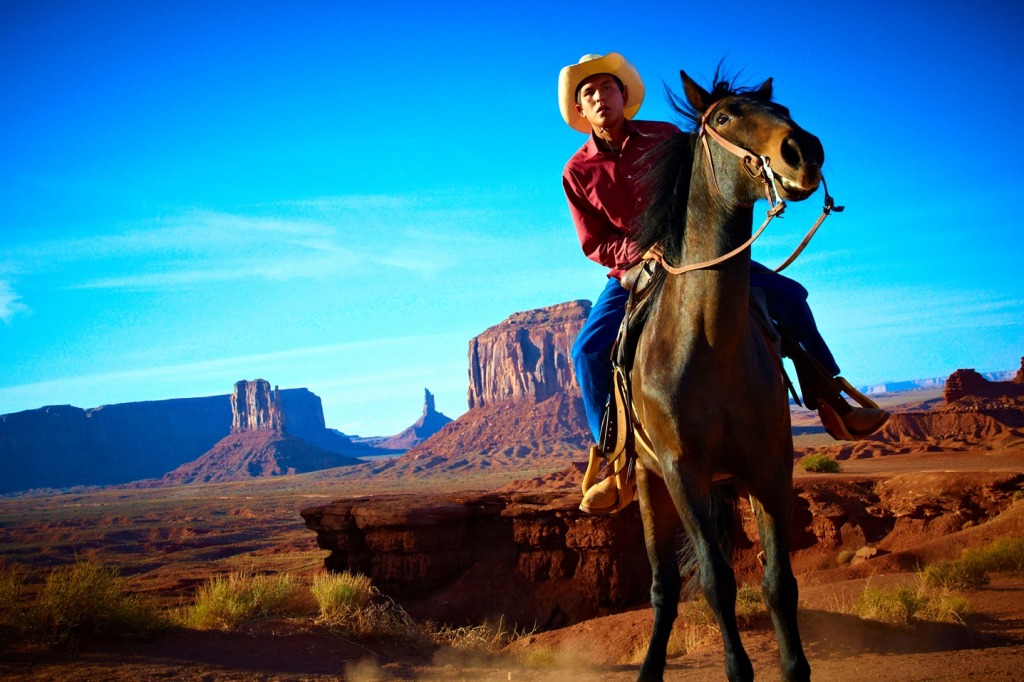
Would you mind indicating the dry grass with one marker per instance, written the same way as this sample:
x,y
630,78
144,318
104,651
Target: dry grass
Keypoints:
x,y
695,628
907,604
224,602
479,639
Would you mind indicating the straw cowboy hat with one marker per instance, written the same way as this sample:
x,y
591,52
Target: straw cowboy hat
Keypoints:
x,y
570,77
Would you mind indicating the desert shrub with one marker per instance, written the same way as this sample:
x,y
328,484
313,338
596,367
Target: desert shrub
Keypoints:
x,y
87,598
820,464
339,593
895,606
223,602
11,607
381,617
349,602
475,639
905,604
1004,554
963,574
944,607
749,604
694,629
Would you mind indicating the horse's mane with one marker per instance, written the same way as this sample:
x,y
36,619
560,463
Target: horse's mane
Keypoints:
x,y
666,178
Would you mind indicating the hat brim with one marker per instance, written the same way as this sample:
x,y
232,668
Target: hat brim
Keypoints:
x,y
571,76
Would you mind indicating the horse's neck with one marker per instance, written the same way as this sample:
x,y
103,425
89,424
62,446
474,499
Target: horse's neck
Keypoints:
x,y
716,298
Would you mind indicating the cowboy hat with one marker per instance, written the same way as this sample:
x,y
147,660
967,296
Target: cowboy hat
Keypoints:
x,y
570,77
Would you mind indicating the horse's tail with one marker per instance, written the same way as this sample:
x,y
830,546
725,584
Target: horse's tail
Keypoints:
x,y
723,515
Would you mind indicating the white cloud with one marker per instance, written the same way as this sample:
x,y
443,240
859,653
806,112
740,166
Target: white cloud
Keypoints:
x,y
10,303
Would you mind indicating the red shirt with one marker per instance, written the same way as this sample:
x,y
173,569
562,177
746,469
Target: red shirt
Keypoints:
x,y
600,186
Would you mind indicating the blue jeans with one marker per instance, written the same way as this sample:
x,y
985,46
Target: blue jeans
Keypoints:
x,y
591,353
787,305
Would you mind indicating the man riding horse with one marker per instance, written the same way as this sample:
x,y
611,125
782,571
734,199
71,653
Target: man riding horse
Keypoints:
x,y
599,96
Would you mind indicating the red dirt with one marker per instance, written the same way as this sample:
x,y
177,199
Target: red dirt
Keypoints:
x,y
839,646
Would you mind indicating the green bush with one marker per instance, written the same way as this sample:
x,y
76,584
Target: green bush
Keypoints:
x,y
963,574
223,602
820,464
896,606
749,604
944,607
1005,554
85,599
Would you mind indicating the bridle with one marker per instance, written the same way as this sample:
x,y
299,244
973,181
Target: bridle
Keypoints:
x,y
757,167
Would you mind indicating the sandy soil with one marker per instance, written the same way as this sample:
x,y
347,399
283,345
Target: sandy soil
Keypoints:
x,y
988,646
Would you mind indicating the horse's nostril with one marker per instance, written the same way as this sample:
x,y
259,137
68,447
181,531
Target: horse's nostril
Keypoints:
x,y
803,149
791,153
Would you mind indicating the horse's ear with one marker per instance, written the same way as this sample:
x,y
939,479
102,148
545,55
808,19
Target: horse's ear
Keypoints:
x,y
698,97
764,91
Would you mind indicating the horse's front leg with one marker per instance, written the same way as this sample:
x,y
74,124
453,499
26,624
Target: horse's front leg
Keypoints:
x,y
661,524
716,575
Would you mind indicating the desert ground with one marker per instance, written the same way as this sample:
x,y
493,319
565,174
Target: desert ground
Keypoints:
x,y
167,541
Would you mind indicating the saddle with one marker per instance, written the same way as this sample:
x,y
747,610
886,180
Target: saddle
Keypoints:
x,y
620,427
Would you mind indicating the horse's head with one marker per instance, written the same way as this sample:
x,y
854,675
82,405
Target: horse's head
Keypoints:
x,y
762,136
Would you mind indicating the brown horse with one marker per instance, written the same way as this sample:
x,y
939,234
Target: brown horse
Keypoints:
x,y
707,384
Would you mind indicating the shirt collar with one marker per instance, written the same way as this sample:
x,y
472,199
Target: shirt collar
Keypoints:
x,y
593,149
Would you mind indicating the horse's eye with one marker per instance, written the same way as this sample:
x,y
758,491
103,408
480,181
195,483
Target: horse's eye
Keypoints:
x,y
721,119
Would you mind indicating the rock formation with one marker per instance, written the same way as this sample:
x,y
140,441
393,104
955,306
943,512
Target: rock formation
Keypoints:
x,y
254,407
535,558
531,557
62,446
525,405
967,383
264,442
429,423
527,356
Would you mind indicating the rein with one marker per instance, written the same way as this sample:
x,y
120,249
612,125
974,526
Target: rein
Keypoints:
x,y
756,168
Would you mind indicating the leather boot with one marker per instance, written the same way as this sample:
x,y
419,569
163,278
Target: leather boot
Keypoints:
x,y
611,495
823,392
843,421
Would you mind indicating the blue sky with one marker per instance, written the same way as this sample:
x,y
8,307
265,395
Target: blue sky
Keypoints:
x,y
341,195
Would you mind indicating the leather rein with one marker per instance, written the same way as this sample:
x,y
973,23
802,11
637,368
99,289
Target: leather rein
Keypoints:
x,y
757,167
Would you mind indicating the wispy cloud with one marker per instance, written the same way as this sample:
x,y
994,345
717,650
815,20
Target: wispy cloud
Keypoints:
x,y
331,237
303,366
10,304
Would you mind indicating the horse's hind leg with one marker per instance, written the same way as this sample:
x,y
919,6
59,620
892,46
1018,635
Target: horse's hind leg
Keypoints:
x,y
661,524
779,585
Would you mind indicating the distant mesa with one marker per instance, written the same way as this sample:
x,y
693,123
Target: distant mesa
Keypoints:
x,y
524,403
282,430
967,383
526,357
264,441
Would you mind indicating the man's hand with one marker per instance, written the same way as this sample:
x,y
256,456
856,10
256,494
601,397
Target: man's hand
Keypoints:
x,y
655,253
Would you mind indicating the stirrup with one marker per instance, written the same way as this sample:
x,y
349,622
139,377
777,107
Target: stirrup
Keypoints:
x,y
833,423
862,399
593,466
621,484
